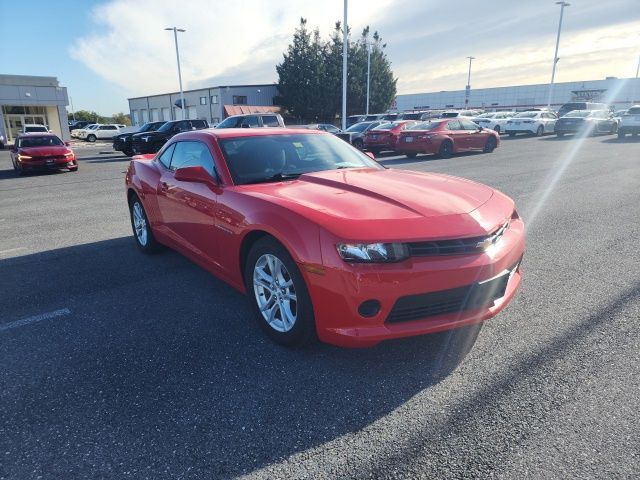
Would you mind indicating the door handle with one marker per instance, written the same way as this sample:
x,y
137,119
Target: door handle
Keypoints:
x,y
164,186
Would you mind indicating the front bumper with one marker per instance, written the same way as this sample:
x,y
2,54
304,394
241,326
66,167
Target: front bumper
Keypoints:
x,y
522,128
344,287
48,164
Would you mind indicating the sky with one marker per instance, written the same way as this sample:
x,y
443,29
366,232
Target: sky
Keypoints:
x,y
105,51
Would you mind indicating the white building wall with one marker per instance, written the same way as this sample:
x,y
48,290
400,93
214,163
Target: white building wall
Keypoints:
x,y
620,93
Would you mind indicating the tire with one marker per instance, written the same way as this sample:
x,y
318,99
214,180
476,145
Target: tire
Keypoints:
x,y
411,154
358,144
142,233
128,152
491,144
559,134
91,138
375,151
446,149
614,129
539,131
497,129
73,169
293,323
511,134
621,134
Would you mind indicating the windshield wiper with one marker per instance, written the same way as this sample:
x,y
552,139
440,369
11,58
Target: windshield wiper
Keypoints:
x,y
278,177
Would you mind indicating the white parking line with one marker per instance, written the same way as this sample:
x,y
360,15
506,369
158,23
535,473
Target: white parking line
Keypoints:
x,y
35,319
11,250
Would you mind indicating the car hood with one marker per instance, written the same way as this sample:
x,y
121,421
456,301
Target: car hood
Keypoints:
x,y
368,204
45,151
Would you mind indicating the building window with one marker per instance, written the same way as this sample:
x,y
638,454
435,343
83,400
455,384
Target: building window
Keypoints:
x,y
136,119
214,99
203,100
239,99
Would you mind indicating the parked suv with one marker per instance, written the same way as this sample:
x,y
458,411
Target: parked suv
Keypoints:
x,y
151,142
252,120
78,124
34,128
630,122
122,142
101,132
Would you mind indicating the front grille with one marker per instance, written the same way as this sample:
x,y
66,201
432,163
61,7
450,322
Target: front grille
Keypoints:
x,y
470,297
459,246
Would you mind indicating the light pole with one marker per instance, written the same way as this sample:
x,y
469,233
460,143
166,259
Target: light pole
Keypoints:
x,y
555,55
344,68
467,90
635,85
368,73
175,37
73,114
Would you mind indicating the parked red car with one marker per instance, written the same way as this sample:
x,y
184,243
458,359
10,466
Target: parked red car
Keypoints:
x,y
323,239
385,136
41,151
445,137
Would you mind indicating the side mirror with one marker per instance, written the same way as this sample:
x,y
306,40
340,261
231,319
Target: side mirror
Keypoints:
x,y
370,155
480,128
195,174
67,144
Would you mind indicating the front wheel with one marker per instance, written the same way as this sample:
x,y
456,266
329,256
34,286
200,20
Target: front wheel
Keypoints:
x,y
411,154
512,134
491,144
539,131
559,134
91,138
279,294
497,129
141,230
128,152
621,134
358,144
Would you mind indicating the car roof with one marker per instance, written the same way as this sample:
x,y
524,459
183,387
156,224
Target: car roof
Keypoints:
x,y
252,132
36,134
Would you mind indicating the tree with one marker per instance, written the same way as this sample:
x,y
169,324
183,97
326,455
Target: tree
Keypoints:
x,y
121,118
310,76
88,116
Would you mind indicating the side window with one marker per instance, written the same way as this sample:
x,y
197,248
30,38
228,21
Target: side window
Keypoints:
x,y
251,121
467,125
454,125
270,121
111,127
165,158
182,126
192,154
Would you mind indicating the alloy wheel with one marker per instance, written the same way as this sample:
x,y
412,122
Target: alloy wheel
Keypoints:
x,y
140,223
275,293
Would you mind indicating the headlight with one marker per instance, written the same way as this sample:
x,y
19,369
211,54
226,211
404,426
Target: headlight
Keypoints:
x,y
372,252
70,154
24,157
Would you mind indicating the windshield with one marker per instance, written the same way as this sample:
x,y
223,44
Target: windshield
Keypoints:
x,y
486,115
280,157
386,126
527,115
92,126
579,113
166,127
358,127
230,122
429,125
48,141
35,128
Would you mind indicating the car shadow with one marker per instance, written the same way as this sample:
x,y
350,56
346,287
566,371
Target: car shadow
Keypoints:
x,y
160,357
625,139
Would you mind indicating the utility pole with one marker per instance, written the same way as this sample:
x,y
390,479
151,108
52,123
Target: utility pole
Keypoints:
x,y
73,114
467,90
175,37
555,55
368,74
345,52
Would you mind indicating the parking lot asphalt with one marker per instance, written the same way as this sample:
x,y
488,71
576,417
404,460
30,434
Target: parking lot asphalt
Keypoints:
x,y
114,364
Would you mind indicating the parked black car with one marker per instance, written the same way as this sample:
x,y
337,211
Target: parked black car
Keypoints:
x,y
151,142
588,122
122,142
253,120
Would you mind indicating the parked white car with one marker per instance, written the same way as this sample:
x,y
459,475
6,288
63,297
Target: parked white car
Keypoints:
x,y
496,121
76,133
532,123
100,132
630,122
460,113
34,128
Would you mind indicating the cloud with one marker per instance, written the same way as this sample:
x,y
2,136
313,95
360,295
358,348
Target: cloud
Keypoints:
x,y
241,42
225,42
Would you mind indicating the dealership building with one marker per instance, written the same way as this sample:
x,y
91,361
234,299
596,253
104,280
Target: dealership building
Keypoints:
x,y
617,92
212,104
28,100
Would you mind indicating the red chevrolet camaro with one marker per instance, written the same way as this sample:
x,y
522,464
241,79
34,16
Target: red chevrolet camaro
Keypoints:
x,y
42,151
444,137
324,240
